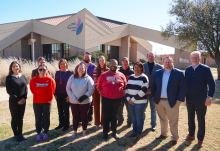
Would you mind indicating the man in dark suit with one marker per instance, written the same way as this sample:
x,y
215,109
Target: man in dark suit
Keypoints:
x,y
149,69
200,90
168,90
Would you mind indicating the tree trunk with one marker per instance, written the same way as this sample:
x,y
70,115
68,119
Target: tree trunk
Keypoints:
x,y
218,68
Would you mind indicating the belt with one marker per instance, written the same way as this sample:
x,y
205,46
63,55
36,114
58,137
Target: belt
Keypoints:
x,y
164,98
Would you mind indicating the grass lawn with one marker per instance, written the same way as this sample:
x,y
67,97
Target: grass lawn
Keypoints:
x,y
59,140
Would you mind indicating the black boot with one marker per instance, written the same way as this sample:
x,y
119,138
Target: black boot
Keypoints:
x,y
58,127
17,139
22,137
105,136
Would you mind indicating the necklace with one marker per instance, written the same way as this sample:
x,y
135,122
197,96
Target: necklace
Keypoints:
x,y
62,77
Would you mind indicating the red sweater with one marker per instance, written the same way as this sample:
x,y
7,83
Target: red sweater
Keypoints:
x,y
112,85
42,89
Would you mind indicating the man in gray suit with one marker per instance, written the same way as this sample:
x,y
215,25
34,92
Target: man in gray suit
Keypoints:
x,y
149,68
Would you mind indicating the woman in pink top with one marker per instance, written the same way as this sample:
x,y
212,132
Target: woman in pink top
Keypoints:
x,y
111,85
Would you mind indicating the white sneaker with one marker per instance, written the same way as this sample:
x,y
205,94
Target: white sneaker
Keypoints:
x,y
84,135
74,135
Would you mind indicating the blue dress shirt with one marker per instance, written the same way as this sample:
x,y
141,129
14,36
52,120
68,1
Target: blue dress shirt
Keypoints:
x,y
166,76
195,66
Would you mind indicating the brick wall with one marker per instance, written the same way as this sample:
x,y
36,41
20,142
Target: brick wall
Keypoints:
x,y
13,50
124,49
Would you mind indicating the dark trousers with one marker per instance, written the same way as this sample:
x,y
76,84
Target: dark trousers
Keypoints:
x,y
80,111
90,112
63,110
120,115
196,105
17,114
39,109
110,108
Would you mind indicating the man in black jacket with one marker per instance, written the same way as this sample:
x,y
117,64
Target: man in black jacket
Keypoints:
x,y
125,69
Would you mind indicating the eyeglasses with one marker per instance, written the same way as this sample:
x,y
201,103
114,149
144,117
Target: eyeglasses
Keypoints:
x,y
194,58
42,70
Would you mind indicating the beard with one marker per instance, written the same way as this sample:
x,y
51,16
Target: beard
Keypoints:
x,y
86,61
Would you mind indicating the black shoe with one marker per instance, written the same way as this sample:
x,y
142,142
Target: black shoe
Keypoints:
x,y
105,136
153,128
22,137
115,135
65,128
119,123
90,123
128,125
17,139
58,127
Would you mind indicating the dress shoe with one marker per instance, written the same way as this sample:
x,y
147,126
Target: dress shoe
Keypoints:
x,y
105,136
17,139
173,142
200,144
65,128
132,135
161,137
128,125
138,137
153,128
22,137
188,138
115,135
119,124
58,127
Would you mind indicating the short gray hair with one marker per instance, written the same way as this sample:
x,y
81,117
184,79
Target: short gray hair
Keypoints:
x,y
150,52
196,52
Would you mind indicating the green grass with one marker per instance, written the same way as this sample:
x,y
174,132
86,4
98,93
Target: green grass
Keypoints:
x,y
59,140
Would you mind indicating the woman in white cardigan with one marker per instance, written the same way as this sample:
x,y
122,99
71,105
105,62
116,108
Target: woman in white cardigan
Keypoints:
x,y
80,88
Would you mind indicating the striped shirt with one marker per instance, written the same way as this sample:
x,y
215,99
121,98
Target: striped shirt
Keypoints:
x,y
95,74
136,88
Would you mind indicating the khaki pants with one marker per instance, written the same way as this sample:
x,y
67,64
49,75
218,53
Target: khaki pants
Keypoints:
x,y
165,113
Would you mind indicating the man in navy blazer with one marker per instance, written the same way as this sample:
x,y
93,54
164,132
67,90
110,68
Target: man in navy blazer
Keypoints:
x,y
200,90
168,90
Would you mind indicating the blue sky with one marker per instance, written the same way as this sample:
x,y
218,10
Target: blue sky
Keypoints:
x,y
144,13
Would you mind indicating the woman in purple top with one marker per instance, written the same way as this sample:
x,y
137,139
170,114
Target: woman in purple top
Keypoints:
x,y
61,78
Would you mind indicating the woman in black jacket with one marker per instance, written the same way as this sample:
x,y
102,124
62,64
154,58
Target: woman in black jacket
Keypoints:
x,y
16,87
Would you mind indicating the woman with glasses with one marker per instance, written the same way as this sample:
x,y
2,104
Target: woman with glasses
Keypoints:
x,y
80,88
43,87
61,78
135,93
16,87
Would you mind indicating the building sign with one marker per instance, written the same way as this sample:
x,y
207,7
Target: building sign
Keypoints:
x,y
76,26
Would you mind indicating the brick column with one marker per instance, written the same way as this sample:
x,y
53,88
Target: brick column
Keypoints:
x,y
124,49
133,52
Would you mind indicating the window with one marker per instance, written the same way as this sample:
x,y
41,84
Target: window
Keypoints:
x,y
66,51
108,49
181,60
54,52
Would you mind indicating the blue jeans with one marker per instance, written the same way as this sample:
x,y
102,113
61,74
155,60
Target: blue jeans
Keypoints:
x,y
153,110
138,115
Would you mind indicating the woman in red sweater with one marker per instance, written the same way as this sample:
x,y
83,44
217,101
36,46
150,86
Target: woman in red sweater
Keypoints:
x,y
111,85
102,67
43,87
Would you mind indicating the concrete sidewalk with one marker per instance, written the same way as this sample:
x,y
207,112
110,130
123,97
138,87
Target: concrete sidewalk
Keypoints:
x,y
4,95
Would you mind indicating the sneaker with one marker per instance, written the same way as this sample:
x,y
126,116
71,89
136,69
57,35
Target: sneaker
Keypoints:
x,y
45,137
101,127
96,127
84,135
38,138
74,135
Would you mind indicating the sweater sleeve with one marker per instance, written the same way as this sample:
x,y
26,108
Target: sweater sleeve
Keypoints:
x,y
53,85
69,90
211,83
26,89
9,89
99,83
90,90
143,90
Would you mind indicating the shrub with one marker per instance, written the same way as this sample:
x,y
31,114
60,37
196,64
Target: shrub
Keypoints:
x,y
27,66
143,60
80,57
97,54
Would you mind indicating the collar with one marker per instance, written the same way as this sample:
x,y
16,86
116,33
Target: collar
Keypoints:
x,y
16,76
196,66
164,71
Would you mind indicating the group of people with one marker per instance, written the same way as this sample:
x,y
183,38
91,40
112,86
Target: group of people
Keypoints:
x,y
109,89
